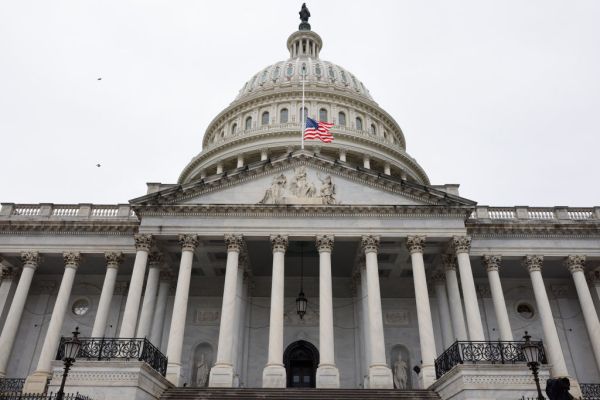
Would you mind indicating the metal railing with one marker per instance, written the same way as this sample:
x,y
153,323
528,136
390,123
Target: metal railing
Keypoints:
x,y
107,349
41,396
483,353
11,385
590,391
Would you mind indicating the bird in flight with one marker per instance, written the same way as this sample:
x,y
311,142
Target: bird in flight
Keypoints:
x,y
98,165
100,78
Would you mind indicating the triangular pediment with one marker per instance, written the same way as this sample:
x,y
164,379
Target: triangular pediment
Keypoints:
x,y
302,179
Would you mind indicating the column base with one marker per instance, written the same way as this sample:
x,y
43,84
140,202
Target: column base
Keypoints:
x,y
380,377
426,376
36,382
221,375
174,374
328,377
274,377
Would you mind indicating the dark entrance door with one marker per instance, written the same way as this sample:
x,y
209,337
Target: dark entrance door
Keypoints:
x,y
301,360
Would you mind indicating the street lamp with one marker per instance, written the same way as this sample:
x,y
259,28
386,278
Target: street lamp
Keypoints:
x,y
71,348
532,355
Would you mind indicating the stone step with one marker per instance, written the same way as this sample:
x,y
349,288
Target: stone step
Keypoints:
x,y
296,394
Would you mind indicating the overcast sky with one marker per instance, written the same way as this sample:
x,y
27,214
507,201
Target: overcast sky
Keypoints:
x,y
502,97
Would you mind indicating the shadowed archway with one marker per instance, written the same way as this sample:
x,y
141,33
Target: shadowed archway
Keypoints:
x,y
301,360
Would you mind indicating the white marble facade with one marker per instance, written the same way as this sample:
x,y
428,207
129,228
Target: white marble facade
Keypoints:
x,y
208,268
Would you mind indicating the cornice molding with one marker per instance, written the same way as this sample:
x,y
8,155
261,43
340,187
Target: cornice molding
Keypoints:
x,y
63,227
535,229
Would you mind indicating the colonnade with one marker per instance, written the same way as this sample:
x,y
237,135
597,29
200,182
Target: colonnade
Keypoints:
x,y
148,322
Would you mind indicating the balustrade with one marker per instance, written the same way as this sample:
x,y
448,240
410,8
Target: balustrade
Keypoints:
x,y
537,213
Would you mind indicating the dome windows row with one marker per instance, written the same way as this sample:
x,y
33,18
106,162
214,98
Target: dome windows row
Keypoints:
x,y
264,117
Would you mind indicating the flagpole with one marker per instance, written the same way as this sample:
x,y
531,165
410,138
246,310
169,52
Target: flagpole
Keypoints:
x,y
303,112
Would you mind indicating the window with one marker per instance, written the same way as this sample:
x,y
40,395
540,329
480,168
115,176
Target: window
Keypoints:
x,y
233,129
373,129
265,118
283,115
248,123
359,123
323,115
342,119
305,114
80,307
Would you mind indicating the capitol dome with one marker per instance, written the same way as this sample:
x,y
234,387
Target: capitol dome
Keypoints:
x,y
264,120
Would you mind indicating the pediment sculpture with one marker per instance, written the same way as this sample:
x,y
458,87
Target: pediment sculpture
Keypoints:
x,y
300,190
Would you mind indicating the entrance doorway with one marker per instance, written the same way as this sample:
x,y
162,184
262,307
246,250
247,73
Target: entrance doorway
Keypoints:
x,y
301,360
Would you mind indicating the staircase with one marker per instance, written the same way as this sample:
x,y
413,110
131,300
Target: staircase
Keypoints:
x,y
296,394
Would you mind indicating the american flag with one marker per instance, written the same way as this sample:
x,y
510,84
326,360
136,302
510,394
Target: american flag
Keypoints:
x,y
318,130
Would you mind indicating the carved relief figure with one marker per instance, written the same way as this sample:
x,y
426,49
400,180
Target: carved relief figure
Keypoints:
x,y
274,194
327,191
202,371
400,373
300,186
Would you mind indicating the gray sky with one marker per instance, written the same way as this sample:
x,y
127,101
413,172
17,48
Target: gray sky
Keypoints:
x,y
501,97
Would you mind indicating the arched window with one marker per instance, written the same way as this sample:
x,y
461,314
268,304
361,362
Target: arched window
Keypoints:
x,y
373,129
248,123
305,114
283,116
359,123
323,115
234,129
342,119
265,118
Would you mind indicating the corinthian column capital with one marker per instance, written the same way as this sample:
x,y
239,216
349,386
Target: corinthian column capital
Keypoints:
x,y
415,244
370,243
31,259
533,263
449,261
594,277
461,244
234,242
279,243
72,259
575,263
492,263
188,242
113,259
324,243
143,241
155,258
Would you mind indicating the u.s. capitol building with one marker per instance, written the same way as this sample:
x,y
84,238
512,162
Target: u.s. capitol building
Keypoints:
x,y
203,282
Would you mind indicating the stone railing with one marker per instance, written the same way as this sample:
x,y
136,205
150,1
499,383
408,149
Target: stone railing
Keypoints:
x,y
461,352
536,213
66,211
11,385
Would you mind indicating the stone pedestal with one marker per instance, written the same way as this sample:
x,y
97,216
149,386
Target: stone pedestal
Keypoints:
x,y
498,382
380,377
221,376
111,380
328,377
274,377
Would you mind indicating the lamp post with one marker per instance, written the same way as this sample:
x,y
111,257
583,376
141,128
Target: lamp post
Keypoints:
x,y
532,355
71,348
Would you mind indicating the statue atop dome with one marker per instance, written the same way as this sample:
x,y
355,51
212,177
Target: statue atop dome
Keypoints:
x,y
304,16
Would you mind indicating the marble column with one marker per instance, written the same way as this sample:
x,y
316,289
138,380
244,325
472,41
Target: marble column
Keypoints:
x,y
238,320
439,285
113,260
462,245
31,260
222,373
143,243
145,323
328,375
492,264
415,245
551,342
36,382
380,375
274,372
8,278
576,264
594,280
364,294
177,330
158,321
454,300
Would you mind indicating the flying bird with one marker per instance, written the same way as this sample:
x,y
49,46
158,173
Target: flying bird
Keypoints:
x,y
100,78
98,165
